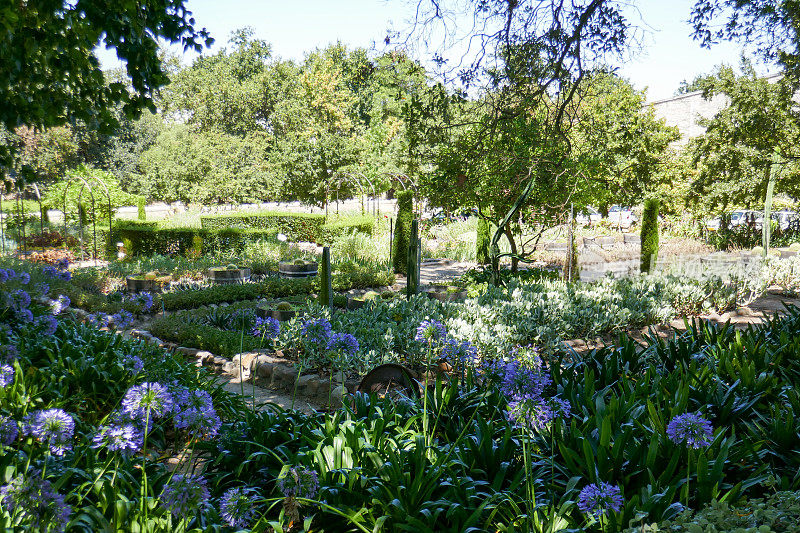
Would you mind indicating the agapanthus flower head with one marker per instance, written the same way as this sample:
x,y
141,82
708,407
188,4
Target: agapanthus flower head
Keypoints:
x,y
55,427
9,430
41,508
65,275
46,324
121,320
62,264
25,316
518,379
316,331
8,353
3,275
597,500
20,299
430,332
343,343
99,320
185,495
24,278
6,375
299,482
60,304
144,301
50,272
691,430
535,412
195,412
462,352
267,328
42,289
132,363
126,439
237,507
147,401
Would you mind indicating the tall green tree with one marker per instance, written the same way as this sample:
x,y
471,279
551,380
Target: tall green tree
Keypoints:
x,y
748,143
50,75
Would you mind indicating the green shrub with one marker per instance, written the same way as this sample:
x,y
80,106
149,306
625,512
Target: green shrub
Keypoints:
x,y
180,329
141,212
649,245
296,226
329,232
402,231
483,242
268,288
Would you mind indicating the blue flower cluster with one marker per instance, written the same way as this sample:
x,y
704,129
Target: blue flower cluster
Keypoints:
x,y
463,352
266,328
121,320
344,344
147,401
237,507
597,500
691,430
35,499
316,332
143,301
54,427
9,430
194,411
299,482
185,494
60,304
124,438
430,332
6,375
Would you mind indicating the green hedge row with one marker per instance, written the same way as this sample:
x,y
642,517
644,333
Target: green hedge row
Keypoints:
x,y
296,226
177,329
146,238
268,288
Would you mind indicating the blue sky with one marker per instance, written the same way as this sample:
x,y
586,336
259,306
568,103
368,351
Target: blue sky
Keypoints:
x,y
295,27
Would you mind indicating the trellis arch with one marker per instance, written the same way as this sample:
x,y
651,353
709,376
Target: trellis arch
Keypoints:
x,y
86,184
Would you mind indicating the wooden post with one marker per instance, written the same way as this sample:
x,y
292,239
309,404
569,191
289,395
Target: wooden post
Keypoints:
x,y
412,263
325,290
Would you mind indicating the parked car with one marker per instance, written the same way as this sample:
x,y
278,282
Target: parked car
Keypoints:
x,y
786,218
588,216
738,218
622,217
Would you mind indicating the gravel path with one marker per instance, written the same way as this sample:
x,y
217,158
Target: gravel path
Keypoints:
x,y
265,398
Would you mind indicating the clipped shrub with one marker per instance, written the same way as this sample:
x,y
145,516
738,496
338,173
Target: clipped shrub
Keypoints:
x,y
296,226
141,212
483,241
402,231
649,245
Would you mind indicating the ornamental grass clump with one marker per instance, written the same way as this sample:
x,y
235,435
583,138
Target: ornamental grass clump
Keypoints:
x,y
598,500
693,431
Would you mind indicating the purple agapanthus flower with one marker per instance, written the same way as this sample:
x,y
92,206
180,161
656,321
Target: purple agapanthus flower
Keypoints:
x,y
52,426
147,401
3,275
20,299
125,438
8,353
343,343
42,289
50,272
41,508
65,275
143,300
237,507
430,332
121,320
299,482
46,324
195,412
132,363
185,494
62,264
60,304
6,375
9,430
597,500
24,315
99,320
267,328
690,429
463,352
317,331
24,278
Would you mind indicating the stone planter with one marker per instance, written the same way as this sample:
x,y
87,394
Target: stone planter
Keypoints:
x,y
225,276
281,315
288,269
443,295
355,303
140,284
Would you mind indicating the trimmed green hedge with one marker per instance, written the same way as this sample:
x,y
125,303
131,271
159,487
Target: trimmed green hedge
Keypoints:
x,y
146,238
178,329
269,288
296,226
